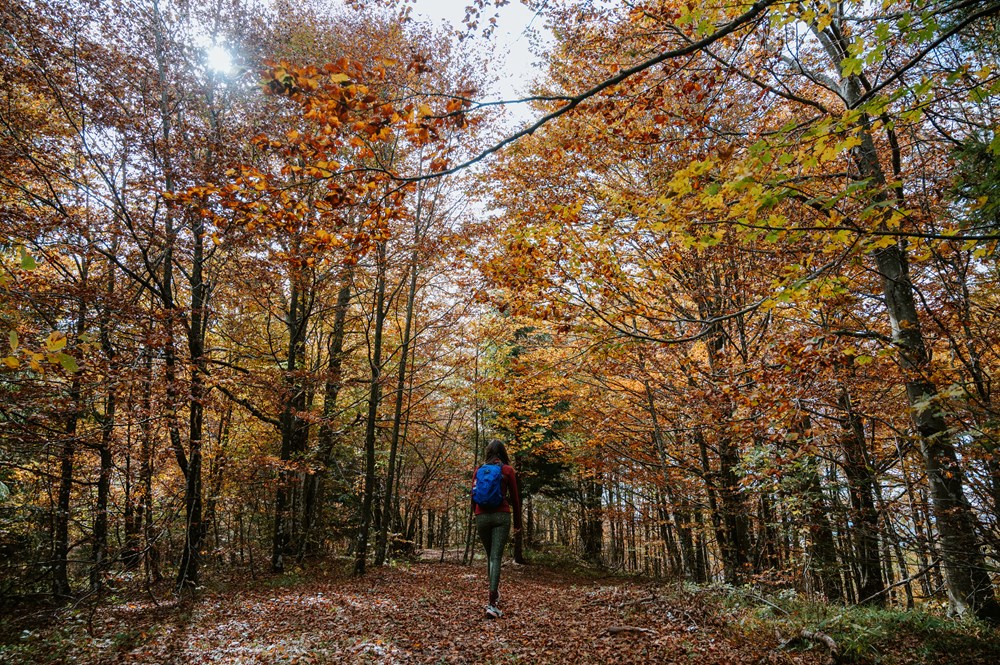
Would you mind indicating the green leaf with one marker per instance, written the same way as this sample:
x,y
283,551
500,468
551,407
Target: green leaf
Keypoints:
x,y
857,186
758,148
27,260
68,362
14,341
850,67
856,47
978,95
995,145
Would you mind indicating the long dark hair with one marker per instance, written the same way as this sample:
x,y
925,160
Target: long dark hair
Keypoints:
x,y
495,451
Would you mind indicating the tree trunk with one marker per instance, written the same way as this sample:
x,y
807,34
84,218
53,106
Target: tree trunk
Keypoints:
x,y
100,540
374,394
380,547
291,425
312,492
519,547
60,540
187,574
864,515
216,471
735,516
150,551
824,548
916,516
60,545
169,238
679,515
592,522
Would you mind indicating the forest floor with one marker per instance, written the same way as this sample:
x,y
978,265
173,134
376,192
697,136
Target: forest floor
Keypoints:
x,y
433,612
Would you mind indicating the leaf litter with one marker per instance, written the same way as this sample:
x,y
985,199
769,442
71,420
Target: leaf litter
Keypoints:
x,y
417,613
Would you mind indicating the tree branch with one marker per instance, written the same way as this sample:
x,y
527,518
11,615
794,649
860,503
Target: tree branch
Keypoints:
x,y
572,102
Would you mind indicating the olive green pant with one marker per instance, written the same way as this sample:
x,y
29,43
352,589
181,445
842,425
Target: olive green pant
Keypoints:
x,y
494,530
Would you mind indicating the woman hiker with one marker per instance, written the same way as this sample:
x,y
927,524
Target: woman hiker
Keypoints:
x,y
494,497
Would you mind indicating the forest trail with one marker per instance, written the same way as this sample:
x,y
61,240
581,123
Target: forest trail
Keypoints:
x,y
424,613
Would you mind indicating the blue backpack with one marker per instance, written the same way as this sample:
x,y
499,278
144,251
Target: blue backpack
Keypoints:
x,y
487,490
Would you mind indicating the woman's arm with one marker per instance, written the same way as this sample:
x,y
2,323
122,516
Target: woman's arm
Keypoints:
x,y
515,498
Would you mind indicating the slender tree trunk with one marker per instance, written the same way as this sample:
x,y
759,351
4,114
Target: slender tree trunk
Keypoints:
x,y
293,398
100,539
170,238
767,537
729,513
735,516
892,538
187,574
519,535
823,547
918,524
150,551
864,515
60,541
708,476
687,556
131,516
665,520
704,571
374,395
312,493
470,532
216,472
380,547
60,547
529,522
592,531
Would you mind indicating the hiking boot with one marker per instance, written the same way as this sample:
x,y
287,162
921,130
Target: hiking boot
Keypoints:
x,y
493,612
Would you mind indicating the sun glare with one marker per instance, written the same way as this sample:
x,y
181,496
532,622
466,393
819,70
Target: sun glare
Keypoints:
x,y
219,60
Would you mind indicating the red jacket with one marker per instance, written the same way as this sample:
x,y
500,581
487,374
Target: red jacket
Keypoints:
x,y
511,497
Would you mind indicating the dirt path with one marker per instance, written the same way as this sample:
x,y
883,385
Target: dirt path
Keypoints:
x,y
420,613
